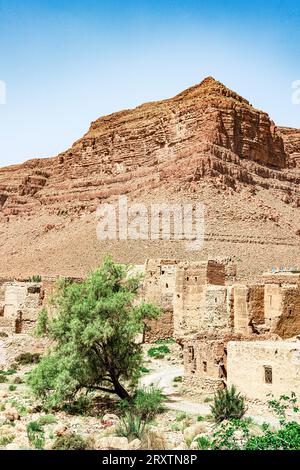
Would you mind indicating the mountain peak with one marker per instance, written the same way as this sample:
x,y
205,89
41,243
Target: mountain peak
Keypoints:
x,y
211,88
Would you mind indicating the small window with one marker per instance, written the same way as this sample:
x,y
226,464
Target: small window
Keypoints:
x,y
178,295
196,279
187,278
167,285
204,366
163,272
268,375
191,353
290,312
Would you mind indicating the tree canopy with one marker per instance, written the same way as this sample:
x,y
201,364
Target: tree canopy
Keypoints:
x,y
94,333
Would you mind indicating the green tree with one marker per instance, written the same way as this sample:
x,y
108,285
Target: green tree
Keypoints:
x,y
94,333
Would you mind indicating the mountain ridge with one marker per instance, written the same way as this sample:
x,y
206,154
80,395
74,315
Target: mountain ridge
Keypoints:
x,y
207,143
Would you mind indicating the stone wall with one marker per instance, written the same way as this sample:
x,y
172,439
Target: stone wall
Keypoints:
x,y
260,368
248,308
21,304
158,288
194,300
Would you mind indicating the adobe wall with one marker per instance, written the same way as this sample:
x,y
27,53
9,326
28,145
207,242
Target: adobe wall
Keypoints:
x,y
282,278
158,288
260,368
288,324
205,361
248,303
21,304
194,300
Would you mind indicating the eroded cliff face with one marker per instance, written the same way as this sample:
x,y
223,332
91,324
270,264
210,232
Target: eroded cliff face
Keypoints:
x,y
207,143
291,139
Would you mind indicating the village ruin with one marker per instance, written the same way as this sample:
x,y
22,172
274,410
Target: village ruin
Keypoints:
x,y
230,332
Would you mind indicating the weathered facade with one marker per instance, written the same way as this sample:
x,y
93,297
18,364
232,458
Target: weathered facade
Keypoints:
x,y
259,368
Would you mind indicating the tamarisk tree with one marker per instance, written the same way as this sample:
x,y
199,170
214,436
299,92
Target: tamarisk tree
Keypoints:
x,y
94,333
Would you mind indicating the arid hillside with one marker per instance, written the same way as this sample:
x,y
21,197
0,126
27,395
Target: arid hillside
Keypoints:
x,y
207,144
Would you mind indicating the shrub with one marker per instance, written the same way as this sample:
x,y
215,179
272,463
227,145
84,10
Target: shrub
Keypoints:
x,y
158,352
3,334
146,403
228,404
35,278
12,388
36,435
41,328
179,378
131,426
286,438
28,358
203,443
80,406
72,441
6,439
3,378
181,415
47,419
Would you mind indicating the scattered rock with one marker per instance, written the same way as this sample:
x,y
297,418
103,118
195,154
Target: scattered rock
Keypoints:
x,y
11,414
112,443
192,431
136,444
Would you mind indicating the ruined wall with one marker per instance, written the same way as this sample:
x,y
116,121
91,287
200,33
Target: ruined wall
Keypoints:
x,y
248,308
158,287
288,324
260,368
282,309
205,360
196,302
292,278
21,305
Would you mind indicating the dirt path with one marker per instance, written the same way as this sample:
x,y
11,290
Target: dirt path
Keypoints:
x,y
162,375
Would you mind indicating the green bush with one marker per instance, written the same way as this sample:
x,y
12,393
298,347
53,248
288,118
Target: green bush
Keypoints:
x,y
228,404
181,415
203,443
28,358
131,426
47,419
6,439
72,441
146,403
36,435
158,352
286,438
81,406
12,388
179,378
41,328
35,278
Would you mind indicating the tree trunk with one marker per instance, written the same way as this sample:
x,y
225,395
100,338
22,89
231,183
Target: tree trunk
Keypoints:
x,y
119,389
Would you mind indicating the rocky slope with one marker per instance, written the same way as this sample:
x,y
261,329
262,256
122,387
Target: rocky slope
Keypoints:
x,y
207,144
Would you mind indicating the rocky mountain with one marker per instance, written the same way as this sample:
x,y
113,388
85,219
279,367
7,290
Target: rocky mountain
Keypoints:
x,y
207,144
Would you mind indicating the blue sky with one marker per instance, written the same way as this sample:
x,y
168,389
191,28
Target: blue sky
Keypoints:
x,y
66,63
